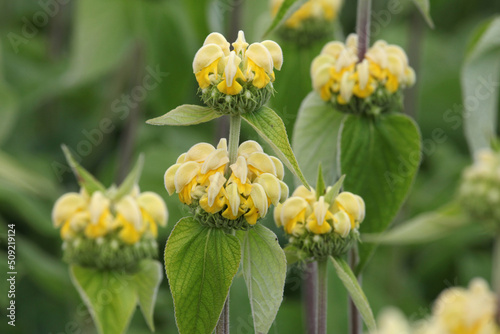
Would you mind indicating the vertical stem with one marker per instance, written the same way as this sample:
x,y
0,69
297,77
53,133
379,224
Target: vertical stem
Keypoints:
x,y
322,295
363,27
223,323
496,274
234,137
309,295
355,324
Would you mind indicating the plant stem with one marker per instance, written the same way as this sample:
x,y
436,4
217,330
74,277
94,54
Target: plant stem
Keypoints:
x,y
309,294
496,274
223,323
363,27
355,325
234,137
322,298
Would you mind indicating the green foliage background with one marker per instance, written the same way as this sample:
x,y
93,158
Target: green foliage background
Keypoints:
x,y
64,77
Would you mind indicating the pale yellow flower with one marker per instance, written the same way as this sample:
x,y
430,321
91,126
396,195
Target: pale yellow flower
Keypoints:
x,y
338,72
318,216
246,188
215,64
98,215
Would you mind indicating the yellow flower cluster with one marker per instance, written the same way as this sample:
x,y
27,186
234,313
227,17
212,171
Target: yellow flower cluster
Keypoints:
x,y
96,216
456,311
245,188
326,10
215,64
338,74
302,211
463,311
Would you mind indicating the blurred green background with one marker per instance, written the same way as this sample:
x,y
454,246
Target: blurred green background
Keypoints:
x,y
88,73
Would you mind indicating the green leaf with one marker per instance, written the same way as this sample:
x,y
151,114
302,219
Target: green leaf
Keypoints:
x,y
271,128
315,138
131,180
201,263
479,77
357,295
423,228
380,157
320,183
335,190
187,114
264,270
425,8
147,281
112,296
84,178
287,8
101,37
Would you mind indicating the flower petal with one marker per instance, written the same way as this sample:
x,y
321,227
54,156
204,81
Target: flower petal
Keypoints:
x,y
206,56
349,203
259,54
276,53
240,45
128,208
248,147
342,223
233,198
291,209
240,169
271,186
185,174
169,178
67,205
219,40
199,152
283,192
216,183
98,204
320,210
215,160
261,162
154,205
259,199
332,49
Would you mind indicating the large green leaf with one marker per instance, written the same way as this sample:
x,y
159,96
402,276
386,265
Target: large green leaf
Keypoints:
x,y
425,227
201,263
380,157
425,8
357,295
264,270
147,281
187,114
479,79
315,138
112,296
85,179
101,36
271,128
287,8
